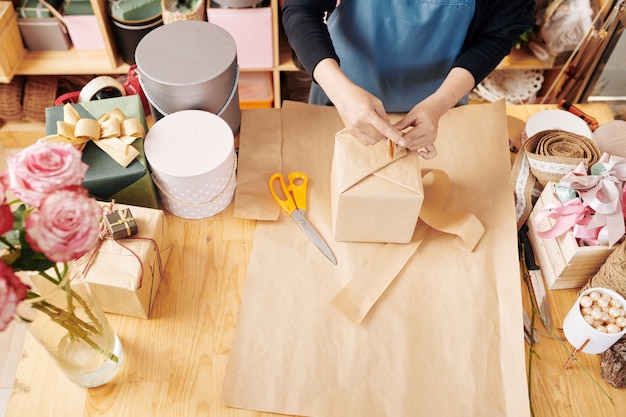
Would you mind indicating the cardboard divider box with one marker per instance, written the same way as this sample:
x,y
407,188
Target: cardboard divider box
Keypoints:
x,y
45,34
256,90
12,49
252,31
84,32
563,262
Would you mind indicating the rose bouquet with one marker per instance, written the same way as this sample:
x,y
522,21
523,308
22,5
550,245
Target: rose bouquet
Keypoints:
x,y
46,221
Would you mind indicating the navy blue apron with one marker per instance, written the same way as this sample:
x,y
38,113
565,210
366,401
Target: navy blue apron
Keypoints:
x,y
398,50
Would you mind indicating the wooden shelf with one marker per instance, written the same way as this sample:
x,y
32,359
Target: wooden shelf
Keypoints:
x,y
522,59
69,62
107,61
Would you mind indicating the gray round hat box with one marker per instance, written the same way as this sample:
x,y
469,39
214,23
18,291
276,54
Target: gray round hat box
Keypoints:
x,y
190,65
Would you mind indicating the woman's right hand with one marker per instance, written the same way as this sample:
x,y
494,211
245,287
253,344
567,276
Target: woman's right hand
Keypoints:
x,y
362,113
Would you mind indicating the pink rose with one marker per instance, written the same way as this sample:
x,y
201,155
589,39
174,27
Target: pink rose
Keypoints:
x,y
44,167
6,218
4,186
12,291
65,226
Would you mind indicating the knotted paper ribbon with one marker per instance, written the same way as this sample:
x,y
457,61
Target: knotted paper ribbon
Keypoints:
x,y
547,156
357,298
602,191
87,260
112,132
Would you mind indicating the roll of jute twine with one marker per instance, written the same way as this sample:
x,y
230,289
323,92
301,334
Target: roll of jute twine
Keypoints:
x,y
547,156
551,154
612,275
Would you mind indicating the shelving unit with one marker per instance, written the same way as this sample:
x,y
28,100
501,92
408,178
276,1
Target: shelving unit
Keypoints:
x,y
78,61
107,61
74,62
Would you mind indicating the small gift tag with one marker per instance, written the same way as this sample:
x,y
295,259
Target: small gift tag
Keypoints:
x,y
121,224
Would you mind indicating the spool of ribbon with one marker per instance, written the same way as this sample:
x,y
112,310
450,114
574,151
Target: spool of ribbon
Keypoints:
x,y
547,156
112,132
101,87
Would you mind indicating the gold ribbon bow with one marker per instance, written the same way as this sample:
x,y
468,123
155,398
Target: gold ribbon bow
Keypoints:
x,y
112,132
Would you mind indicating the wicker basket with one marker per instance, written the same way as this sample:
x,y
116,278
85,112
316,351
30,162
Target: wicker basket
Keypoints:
x,y
11,99
171,13
40,92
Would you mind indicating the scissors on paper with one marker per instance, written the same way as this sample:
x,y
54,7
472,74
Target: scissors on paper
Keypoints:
x,y
294,203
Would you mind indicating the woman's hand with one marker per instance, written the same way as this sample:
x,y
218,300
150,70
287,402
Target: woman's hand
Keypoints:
x,y
422,121
362,113
365,117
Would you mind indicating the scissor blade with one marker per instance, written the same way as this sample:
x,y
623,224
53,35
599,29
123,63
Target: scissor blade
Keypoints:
x,y
309,230
539,290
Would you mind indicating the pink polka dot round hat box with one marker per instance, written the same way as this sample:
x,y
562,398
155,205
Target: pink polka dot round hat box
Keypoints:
x,y
192,157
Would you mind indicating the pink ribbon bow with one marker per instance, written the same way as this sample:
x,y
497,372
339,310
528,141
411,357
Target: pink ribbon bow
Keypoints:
x,y
571,214
603,193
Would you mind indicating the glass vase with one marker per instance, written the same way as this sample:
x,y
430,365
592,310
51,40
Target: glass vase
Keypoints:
x,y
63,315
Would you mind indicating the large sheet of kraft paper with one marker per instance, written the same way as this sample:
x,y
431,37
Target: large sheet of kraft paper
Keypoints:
x,y
443,336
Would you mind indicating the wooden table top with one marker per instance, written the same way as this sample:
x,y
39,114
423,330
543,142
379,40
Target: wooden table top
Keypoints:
x,y
175,361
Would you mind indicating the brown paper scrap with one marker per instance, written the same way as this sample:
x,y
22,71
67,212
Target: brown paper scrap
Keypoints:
x,y
357,298
263,155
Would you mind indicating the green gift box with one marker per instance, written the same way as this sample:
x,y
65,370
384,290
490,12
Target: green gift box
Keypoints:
x,y
105,179
35,9
77,7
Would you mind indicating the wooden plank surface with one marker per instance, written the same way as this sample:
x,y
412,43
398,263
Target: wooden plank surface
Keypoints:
x,y
175,361
579,390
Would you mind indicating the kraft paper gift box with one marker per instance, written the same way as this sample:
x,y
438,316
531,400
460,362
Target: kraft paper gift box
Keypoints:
x,y
369,188
106,179
125,274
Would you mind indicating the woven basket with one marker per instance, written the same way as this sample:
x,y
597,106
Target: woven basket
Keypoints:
x,y
172,14
40,92
11,99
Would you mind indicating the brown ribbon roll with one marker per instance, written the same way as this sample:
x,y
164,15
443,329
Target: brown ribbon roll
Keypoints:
x,y
547,156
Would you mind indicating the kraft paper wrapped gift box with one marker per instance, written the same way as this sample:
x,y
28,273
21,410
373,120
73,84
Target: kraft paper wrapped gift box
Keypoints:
x,y
106,179
125,274
368,190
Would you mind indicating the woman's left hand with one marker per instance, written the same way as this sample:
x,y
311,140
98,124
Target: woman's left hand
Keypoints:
x,y
422,121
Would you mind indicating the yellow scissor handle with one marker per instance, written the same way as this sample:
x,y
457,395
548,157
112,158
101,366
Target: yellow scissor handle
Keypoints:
x,y
294,193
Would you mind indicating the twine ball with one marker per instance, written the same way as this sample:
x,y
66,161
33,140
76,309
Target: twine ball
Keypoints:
x,y
612,273
611,138
613,364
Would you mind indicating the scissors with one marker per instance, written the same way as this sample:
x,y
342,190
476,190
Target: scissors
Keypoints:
x,y
294,204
